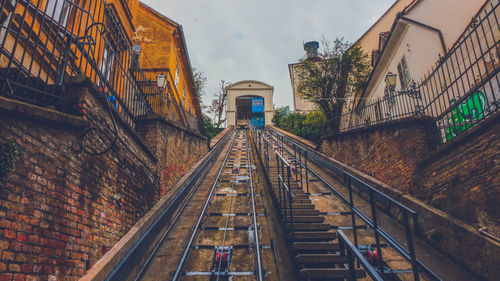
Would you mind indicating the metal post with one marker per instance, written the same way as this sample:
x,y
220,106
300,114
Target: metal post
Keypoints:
x,y
295,161
375,224
279,183
353,215
307,174
352,269
290,203
411,249
300,172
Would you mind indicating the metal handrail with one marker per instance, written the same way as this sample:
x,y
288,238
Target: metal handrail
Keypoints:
x,y
346,246
372,223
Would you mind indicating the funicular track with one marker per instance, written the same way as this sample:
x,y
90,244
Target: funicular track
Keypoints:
x,y
332,234
221,231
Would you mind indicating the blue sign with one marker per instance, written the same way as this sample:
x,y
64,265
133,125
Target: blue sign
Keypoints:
x,y
257,105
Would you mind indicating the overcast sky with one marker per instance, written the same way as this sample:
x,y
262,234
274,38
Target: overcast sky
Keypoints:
x,y
237,40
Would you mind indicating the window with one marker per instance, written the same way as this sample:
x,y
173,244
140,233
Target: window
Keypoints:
x,y
183,96
404,75
189,106
58,10
5,19
107,62
172,115
176,79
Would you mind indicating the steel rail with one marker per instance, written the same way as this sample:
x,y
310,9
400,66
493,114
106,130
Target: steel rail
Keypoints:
x,y
124,268
395,244
271,235
254,212
202,214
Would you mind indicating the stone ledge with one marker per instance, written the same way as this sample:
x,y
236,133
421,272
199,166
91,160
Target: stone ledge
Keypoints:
x,y
470,133
219,136
43,113
424,120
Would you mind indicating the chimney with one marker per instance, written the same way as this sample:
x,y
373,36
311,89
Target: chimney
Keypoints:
x,y
311,49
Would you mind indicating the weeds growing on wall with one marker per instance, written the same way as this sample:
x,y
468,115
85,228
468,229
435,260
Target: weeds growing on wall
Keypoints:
x,y
8,159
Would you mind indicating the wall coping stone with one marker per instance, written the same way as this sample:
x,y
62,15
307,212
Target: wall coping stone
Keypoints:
x,y
423,120
464,137
43,113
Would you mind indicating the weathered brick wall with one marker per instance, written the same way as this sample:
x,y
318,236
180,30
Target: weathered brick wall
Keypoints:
x,y
62,209
175,148
462,177
390,152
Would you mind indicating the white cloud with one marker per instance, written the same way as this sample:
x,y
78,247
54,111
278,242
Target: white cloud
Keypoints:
x,y
236,40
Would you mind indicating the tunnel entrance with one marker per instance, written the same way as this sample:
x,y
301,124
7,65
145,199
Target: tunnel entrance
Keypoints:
x,y
250,110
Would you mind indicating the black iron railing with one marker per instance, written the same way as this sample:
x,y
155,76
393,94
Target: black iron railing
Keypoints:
x,y
45,43
459,92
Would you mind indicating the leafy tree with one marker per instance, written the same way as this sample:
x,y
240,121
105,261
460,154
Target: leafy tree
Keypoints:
x,y
323,80
211,130
311,126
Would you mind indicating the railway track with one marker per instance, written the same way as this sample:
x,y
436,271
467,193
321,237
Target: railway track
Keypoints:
x,y
220,232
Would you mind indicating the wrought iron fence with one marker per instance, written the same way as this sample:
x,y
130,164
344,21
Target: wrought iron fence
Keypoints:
x,y
45,43
460,91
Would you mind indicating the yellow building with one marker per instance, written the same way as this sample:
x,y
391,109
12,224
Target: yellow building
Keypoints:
x,y
46,43
163,50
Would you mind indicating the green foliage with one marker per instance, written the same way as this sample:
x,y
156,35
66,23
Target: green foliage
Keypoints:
x,y
310,126
8,158
200,80
324,80
211,130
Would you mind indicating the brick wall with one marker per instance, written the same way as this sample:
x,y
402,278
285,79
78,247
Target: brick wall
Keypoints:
x,y
390,152
462,177
61,208
175,148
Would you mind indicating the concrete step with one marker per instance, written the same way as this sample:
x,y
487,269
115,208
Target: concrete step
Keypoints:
x,y
313,236
307,219
307,273
309,226
320,259
315,246
302,212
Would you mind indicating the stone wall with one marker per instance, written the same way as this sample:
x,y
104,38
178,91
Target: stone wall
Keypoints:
x,y
390,152
61,208
462,177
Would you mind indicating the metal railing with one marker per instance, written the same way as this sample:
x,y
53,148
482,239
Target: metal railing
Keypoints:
x,y
376,200
45,43
460,91
285,194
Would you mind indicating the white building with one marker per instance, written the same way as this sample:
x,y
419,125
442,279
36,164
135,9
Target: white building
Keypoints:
x,y
240,98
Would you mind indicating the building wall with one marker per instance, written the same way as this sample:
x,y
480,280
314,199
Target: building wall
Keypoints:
x,y
61,209
163,51
421,46
299,104
249,88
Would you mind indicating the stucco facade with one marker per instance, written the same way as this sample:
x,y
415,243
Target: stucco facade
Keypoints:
x,y
299,104
421,46
248,88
